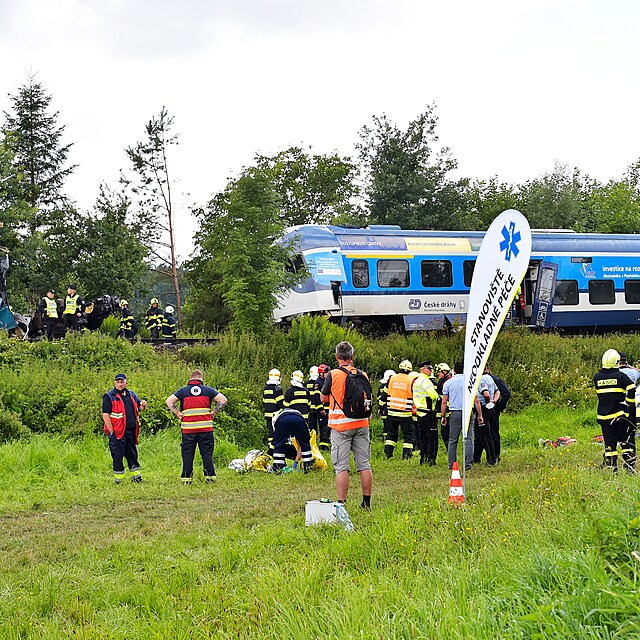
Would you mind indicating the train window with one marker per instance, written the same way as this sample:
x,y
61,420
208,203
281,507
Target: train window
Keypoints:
x,y
632,291
436,273
295,264
393,273
360,274
566,292
602,292
467,267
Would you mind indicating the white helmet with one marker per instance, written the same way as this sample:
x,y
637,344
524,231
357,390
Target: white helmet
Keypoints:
x,y
610,359
274,373
169,309
387,374
297,376
313,373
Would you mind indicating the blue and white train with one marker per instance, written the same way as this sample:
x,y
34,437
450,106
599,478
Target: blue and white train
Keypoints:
x,y
421,278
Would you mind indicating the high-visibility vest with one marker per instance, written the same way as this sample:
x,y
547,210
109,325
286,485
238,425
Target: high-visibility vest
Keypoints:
x,y
52,307
337,419
400,400
196,408
71,304
118,415
425,395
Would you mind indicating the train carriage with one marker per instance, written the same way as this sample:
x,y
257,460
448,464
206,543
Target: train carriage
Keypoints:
x,y
421,279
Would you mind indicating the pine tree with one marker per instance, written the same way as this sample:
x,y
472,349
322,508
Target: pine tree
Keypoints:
x,y
33,136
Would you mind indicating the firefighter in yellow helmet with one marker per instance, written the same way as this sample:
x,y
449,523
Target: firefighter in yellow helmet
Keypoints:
x,y
400,412
616,397
128,324
154,318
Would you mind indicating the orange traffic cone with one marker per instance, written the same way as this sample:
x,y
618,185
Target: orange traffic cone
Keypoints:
x,y
456,494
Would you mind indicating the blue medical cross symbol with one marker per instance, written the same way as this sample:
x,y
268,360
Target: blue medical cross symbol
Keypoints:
x,y
510,243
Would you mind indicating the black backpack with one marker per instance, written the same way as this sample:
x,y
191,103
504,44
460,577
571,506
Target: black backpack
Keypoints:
x,y
358,395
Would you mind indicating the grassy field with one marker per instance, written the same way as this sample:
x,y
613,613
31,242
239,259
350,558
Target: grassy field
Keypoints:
x,y
545,546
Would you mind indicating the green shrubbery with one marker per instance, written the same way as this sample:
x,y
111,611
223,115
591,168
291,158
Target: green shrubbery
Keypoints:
x,y
57,387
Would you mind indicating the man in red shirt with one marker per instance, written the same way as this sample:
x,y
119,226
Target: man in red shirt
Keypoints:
x,y
196,418
347,434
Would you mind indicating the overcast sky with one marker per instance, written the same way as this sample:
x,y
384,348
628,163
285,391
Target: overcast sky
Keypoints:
x,y
518,84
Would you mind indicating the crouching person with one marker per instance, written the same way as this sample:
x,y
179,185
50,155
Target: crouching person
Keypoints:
x,y
196,419
289,423
120,409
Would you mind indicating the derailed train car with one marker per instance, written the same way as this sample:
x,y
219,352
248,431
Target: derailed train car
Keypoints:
x,y
421,279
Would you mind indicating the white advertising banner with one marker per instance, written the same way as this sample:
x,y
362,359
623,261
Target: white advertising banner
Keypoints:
x,y
501,265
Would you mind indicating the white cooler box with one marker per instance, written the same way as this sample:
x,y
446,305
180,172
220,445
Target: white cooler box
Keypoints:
x,y
319,512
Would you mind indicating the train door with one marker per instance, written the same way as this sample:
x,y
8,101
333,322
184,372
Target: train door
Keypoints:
x,y
541,282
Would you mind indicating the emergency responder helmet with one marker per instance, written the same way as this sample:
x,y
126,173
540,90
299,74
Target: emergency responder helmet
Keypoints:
x,y
443,366
323,368
405,365
313,372
413,374
153,301
610,359
169,309
297,376
274,373
387,374
124,303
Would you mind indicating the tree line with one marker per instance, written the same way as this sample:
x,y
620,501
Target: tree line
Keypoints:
x,y
126,243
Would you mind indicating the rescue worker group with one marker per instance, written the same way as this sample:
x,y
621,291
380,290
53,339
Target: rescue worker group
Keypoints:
x,y
331,408
161,323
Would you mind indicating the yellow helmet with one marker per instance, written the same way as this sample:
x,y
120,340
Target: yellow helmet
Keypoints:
x,y
610,359
153,301
405,365
124,303
413,374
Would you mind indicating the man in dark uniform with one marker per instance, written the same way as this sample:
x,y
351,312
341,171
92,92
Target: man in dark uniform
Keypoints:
x,y
289,423
73,308
272,399
154,318
324,435
315,405
120,408
48,308
196,420
616,394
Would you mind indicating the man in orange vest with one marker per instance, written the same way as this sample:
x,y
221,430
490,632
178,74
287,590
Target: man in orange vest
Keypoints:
x,y
120,408
400,412
347,434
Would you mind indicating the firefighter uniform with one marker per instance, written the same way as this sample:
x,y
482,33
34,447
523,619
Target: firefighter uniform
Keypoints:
x,y
425,398
289,423
296,396
324,435
128,324
154,318
272,399
315,406
616,394
400,412
169,324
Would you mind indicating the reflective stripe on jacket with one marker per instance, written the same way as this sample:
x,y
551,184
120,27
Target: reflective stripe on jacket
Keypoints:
x,y
425,395
118,415
400,401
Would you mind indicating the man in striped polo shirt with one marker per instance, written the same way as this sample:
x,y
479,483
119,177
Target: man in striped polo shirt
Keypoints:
x,y
196,417
347,434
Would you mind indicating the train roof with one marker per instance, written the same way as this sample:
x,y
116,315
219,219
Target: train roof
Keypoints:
x,y
565,241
